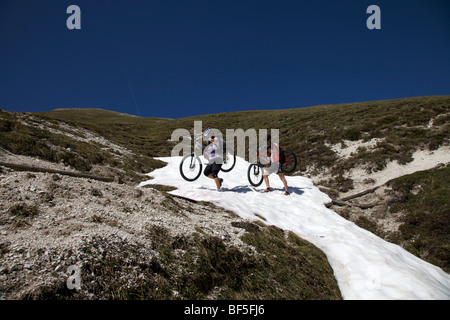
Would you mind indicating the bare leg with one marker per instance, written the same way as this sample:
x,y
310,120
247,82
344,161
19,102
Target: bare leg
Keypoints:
x,y
283,179
216,180
266,180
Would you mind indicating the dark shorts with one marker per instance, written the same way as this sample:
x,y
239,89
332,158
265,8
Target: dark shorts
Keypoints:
x,y
213,169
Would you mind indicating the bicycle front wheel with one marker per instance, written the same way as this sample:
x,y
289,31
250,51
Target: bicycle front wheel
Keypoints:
x,y
255,175
191,167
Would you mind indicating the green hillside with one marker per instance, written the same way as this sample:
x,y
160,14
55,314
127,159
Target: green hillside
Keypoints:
x,y
402,126
398,127
71,144
423,197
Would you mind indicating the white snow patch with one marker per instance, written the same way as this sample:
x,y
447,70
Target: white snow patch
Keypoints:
x,y
347,147
365,266
423,160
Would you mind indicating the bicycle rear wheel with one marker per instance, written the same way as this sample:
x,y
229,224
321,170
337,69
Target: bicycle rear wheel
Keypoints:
x,y
229,162
255,175
191,167
290,163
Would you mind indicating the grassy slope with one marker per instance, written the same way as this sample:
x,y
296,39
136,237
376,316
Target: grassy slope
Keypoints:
x,y
284,268
308,131
423,197
145,136
28,135
402,124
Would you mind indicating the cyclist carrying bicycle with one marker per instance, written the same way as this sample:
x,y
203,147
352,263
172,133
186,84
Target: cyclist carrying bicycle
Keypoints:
x,y
213,153
273,153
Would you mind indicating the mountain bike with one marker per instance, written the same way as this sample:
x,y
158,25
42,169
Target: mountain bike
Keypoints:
x,y
255,170
191,166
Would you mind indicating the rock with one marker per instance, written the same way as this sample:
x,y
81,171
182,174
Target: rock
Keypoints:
x,y
16,267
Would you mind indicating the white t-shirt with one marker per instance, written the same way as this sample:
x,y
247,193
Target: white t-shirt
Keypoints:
x,y
214,150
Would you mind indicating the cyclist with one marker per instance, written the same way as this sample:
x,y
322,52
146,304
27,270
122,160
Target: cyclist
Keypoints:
x,y
213,153
273,152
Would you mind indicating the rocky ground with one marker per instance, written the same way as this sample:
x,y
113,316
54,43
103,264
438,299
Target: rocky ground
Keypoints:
x,y
49,222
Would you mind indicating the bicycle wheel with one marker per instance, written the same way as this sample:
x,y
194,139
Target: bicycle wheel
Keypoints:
x,y
229,162
290,162
190,167
255,175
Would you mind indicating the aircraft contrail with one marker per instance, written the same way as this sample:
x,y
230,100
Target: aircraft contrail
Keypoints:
x,y
131,90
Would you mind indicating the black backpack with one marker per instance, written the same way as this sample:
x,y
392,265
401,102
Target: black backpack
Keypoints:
x,y
282,156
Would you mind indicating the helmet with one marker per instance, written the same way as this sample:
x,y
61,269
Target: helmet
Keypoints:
x,y
208,133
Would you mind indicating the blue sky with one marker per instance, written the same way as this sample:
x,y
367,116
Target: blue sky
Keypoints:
x,y
177,58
